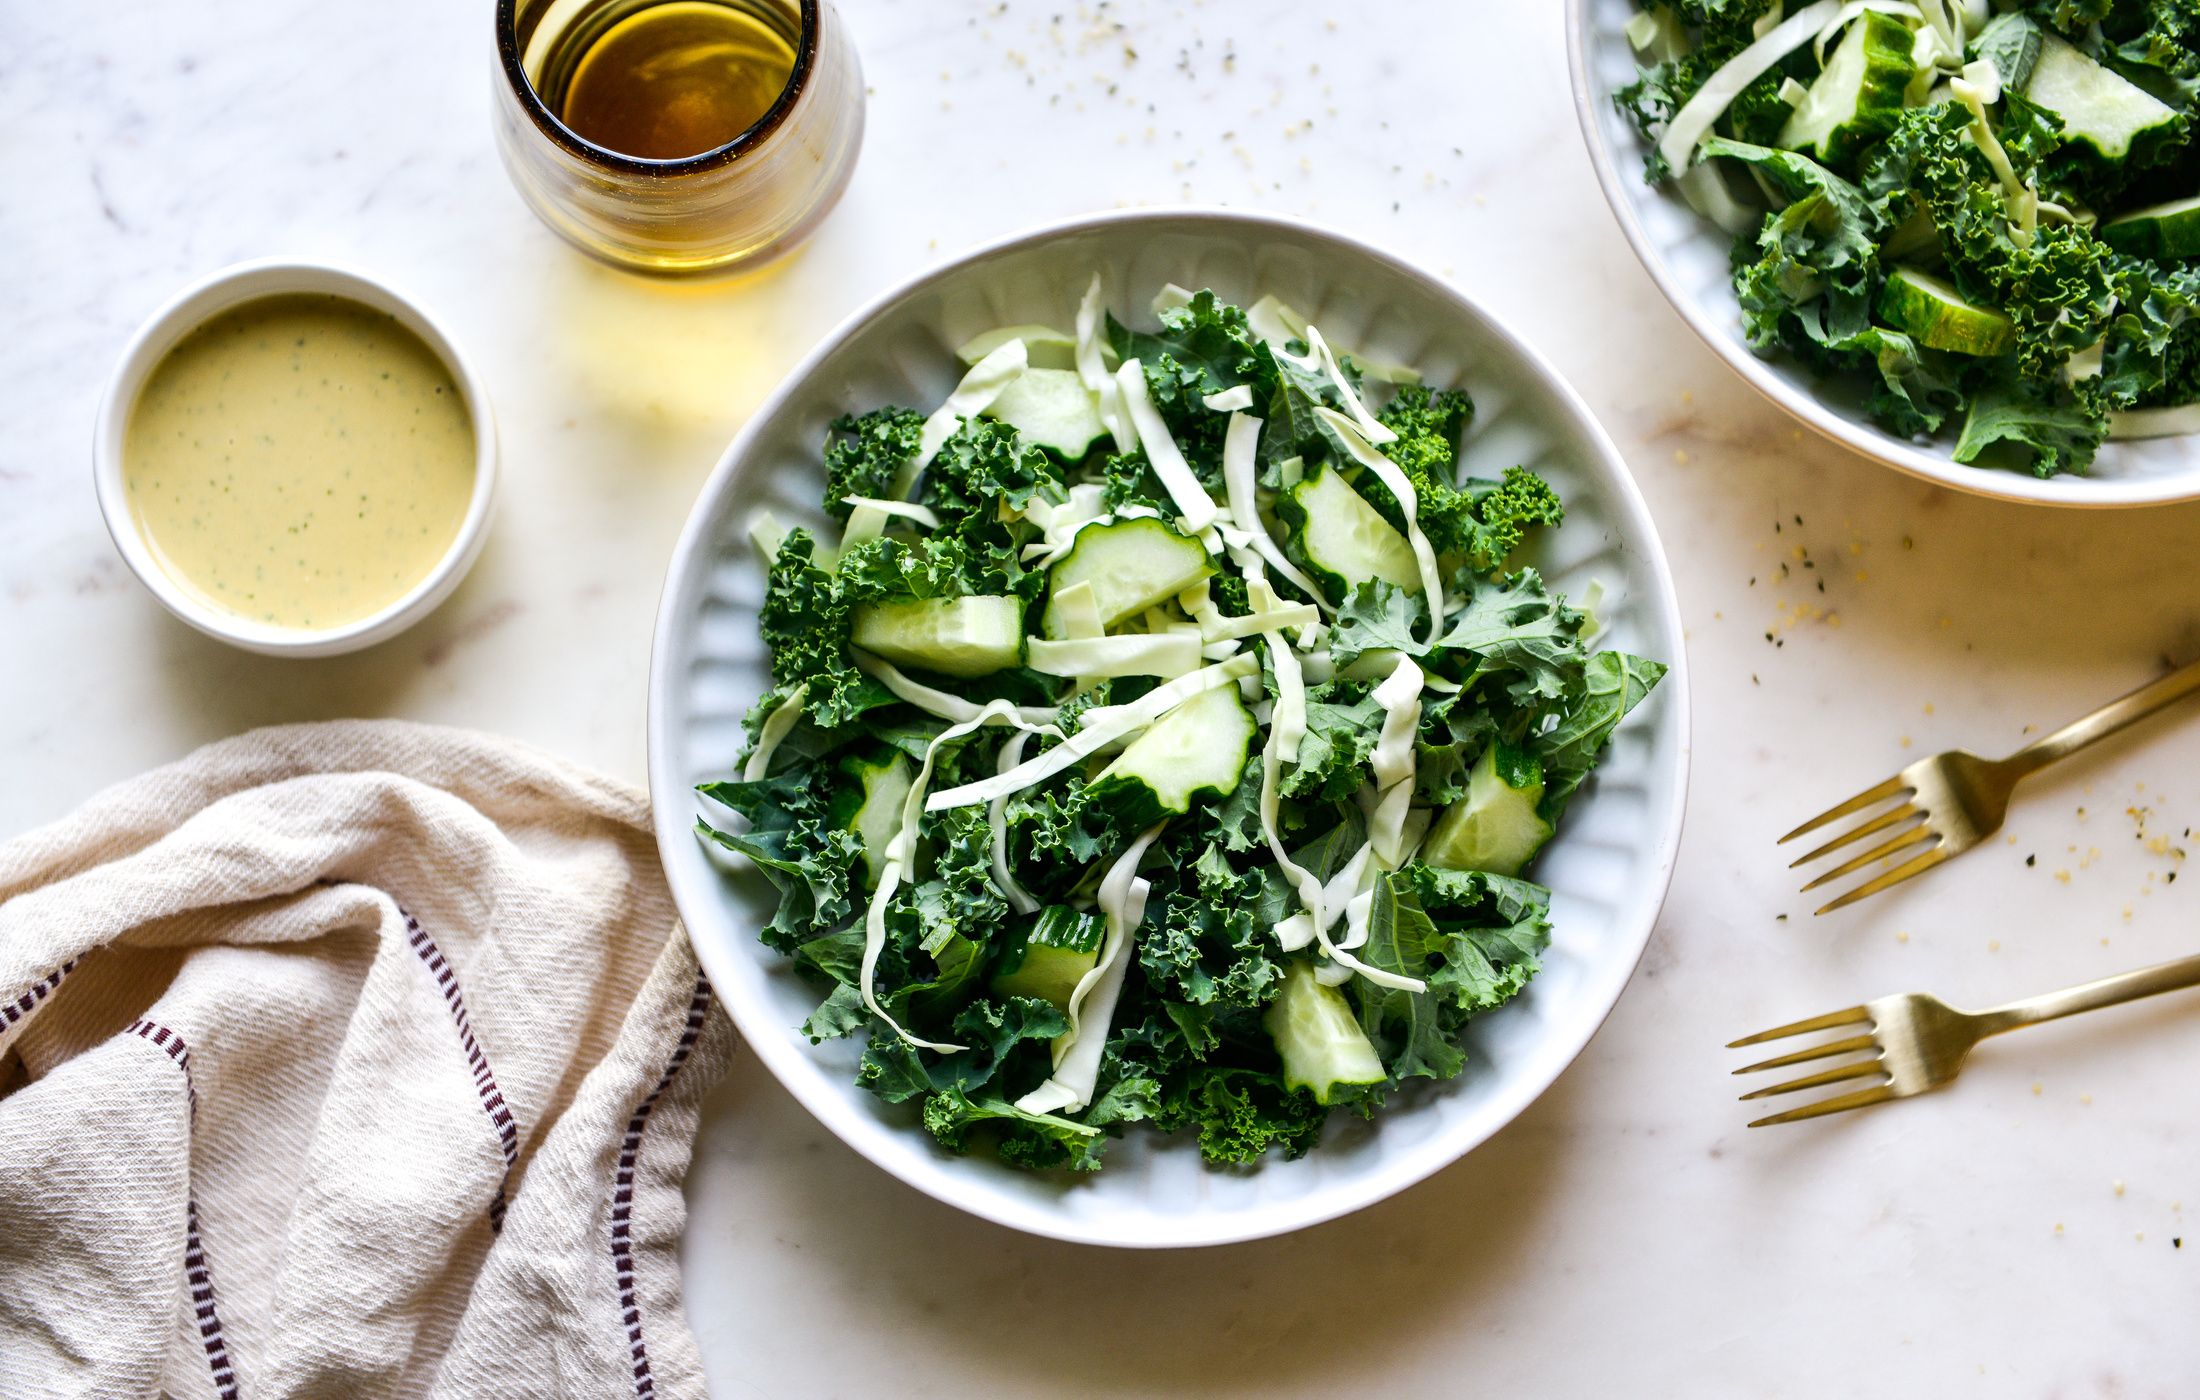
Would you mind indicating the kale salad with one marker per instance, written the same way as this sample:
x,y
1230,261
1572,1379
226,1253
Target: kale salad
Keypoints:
x,y
1164,738
1983,212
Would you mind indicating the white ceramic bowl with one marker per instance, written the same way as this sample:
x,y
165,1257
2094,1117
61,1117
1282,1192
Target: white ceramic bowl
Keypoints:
x,y
1686,255
191,308
1609,865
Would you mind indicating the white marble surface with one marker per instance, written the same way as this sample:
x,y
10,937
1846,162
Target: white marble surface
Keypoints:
x,y
2014,1236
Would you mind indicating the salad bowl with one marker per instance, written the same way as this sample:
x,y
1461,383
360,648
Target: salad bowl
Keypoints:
x,y
1609,866
1686,254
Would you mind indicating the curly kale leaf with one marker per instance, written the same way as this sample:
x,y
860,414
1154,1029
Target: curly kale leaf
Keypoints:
x,y
1612,683
1244,1113
804,621
863,454
1473,938
799,842
2047,426
1212,937
1034,1140
1343,724
984,464
1515,627
1484,521
1378,616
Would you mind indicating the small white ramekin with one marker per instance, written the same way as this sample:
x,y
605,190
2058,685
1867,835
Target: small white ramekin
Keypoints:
x,y
191,308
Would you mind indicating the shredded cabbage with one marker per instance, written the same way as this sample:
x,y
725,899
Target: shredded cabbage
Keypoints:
x,y
1235,399
1092,367
776,727
1166,654
1162,453
938,703
1101,727
1693,121
996,817
977,391
1387,471
901,854
1240,480
1092,1004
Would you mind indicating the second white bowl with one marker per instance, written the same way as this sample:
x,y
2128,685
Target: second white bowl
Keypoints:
x,y
1686,255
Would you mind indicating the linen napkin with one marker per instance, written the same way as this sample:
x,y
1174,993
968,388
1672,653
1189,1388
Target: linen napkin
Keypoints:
x,y
355,1059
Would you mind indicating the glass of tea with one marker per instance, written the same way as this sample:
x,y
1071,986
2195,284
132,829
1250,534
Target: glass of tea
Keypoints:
x,y
678,136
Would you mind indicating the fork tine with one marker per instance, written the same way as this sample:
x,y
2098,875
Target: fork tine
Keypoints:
x,y
1908,838
1815,1052
1857,803
1824,1076
1878,823
1896,876
1816,1023
1839,1103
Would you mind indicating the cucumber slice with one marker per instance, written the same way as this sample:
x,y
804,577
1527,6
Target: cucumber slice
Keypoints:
x,y
2099,109
2163,232
1936,313
1044,346
1317,1036
876,818
1858,95
1130,564
972,636
1051,408
1048,959
1196,750
1495,827
1338,535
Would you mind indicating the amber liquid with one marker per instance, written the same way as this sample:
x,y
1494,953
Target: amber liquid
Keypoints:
x,y
673,79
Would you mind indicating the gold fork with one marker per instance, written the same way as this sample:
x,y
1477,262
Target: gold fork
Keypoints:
x,y
1957,799
1918,1042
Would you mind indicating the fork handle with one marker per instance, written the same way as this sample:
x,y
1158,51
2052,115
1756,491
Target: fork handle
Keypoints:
x,y
2115,715
2109,991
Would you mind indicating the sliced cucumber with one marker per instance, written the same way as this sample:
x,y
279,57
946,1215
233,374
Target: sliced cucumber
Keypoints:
x,y
1051,408
1858,95
1495,827
973,636
1338,535
1044,346
1048,959
2163,232
1317,1036
876,818
2099,109
1130,564
1196,750
1936,313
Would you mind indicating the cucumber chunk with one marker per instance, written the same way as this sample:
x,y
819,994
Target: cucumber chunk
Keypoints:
x,y
2099,109
1338,536
1496,826
1130,564
876,819
973,636
1050,408
1856,98
1044,346
1048,959
1317,1036
2164,232
1196,750
1936,313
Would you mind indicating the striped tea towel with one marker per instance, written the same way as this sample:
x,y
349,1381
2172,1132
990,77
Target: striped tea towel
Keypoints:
x,y
354,1059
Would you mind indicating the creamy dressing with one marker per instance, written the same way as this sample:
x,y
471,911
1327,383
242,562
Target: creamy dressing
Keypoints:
x,y
299,460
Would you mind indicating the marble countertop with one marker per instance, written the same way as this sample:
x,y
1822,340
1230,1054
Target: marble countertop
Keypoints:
x,y
2021,1234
